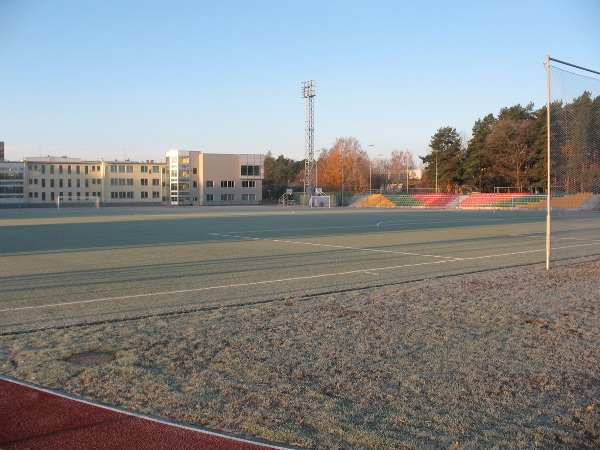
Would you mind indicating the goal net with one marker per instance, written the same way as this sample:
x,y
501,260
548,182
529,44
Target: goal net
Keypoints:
x,y
320,201
573,187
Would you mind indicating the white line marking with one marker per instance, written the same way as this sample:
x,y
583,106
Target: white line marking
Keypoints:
x,y
258,283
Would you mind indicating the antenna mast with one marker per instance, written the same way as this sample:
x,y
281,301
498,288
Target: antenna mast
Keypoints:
x,y
308,92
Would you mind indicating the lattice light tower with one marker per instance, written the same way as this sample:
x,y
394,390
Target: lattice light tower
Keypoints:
x,y
308,92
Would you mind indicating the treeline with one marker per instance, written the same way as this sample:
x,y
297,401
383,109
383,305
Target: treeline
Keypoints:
x,y
507,150
345,166
510,150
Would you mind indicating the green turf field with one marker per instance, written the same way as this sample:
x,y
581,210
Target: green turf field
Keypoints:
x,y
84,266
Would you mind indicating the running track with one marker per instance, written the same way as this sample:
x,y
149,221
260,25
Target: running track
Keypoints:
x,y
35,418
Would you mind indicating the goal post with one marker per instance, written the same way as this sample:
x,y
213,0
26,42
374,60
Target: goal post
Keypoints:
x,y
320,201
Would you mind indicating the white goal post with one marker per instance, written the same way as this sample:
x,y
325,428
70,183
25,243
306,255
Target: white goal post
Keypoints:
x,y
320,201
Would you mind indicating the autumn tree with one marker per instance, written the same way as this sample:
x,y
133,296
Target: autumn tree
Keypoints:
x,y
347,161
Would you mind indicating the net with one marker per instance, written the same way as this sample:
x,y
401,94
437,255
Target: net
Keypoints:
x,y
573,189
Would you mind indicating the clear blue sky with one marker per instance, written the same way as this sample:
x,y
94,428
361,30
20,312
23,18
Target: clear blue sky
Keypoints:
x,y
119,79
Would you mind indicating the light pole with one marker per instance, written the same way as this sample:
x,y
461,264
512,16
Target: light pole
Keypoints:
x,y
342,153
370,168
436,174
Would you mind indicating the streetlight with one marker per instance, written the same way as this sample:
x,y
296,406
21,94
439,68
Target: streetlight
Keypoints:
x,y
342,154
370,168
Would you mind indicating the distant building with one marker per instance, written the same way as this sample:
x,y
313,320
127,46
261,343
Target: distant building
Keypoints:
x,y
186,178
11,183
196,178
1,151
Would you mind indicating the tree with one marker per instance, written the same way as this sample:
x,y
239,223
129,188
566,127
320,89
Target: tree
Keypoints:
x,y
510,149
346,161
281,173
402,163
476,161
444,164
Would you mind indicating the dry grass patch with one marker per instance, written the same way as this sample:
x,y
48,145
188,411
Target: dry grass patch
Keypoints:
x,y
506,359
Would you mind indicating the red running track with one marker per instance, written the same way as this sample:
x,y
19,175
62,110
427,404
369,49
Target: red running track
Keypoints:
x,y
35,418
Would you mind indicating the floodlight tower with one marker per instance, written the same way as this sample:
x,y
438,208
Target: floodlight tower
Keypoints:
x,y
308,92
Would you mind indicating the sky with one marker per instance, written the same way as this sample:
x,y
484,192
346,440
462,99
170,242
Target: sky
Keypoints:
x,y
128,79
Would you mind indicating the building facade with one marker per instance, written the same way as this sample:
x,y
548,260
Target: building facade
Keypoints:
x,y
11,183
186,178
197,178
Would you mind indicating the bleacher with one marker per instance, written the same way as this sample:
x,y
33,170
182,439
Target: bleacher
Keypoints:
x,y
476,200
435,200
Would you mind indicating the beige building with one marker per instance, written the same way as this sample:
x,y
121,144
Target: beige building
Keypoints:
x,y
56,180
186,178
196,178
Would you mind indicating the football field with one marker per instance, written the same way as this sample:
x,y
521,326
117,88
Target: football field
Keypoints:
x,y
67,267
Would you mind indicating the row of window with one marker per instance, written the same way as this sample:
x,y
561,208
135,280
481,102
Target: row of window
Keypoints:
x,y
231,197
127,168
34,181
228,184
69,168
69,196
129,182
131,195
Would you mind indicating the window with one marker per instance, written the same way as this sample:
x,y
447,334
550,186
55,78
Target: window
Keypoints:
x,y
113,168
43,195
129,181
251,171
227,197
155,169
144,169
144,195
77,170
248,183
43,182
87,183
43,169
130,169
156,195
194,183
209,197
78,181
60,183
121,168
69,183
51,181
228,184
60,170
144,181
69,169
85,170
155,182
248,197
195,171
210,184
52,171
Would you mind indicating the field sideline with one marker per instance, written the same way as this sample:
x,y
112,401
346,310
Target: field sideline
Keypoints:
x,y
85,266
